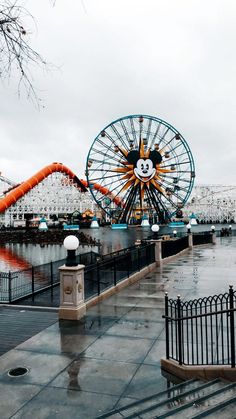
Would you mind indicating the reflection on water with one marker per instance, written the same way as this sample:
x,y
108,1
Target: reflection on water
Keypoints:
x,y
20,256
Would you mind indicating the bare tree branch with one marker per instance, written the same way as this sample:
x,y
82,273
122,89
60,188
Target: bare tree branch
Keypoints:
x,y
15,50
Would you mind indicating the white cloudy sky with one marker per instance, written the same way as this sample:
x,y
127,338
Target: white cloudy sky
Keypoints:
x,y
174,59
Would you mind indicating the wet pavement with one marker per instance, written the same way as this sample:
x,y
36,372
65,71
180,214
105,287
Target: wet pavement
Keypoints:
x,y
112,356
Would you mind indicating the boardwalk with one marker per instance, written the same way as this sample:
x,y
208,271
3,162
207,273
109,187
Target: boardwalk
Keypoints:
x,y
112,356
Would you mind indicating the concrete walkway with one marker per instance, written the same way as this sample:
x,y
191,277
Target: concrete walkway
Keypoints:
x,y
111,357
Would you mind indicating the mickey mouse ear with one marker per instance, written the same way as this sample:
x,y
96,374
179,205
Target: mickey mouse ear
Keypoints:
x,y
155,156
133,156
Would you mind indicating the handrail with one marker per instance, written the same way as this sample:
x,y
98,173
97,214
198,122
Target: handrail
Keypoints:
x,y
199,332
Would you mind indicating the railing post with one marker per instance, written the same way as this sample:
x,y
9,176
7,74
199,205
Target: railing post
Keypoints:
x,y
167,326
51,278
114,267
190,240
232,336
98,278
158,252
32,277
179,330
128,259
138,259
147,255
9,287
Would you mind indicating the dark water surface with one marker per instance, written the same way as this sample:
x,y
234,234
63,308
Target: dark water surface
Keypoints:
x,y
20,256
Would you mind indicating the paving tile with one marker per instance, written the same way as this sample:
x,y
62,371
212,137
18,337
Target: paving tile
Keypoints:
x,y
145,313
119,348
147,381
139,328
62,403
14,395
107,377
57,343
157,352
42,367
107,310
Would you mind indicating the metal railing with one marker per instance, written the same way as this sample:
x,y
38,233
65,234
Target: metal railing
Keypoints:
x,y
15,285
110,269
101,272
201,331
172,247
202,238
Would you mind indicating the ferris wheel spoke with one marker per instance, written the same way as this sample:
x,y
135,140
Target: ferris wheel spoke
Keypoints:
x,y
133,132
115,170
97,180
149,129
163,136
166,144
119,137
113,157
129,203
125,131
159,205
155,134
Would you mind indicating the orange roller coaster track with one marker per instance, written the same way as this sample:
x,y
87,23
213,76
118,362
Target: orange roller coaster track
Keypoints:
x,y
22,189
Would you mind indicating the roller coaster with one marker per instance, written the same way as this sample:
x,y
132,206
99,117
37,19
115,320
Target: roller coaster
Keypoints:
x,y
53,191
56,191
213,203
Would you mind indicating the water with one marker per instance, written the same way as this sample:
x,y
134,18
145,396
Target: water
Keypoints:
x,y
21,256
18,256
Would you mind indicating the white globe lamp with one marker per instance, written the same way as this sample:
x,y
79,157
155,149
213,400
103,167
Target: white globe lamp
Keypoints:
x,y
71,243
155,228
188,226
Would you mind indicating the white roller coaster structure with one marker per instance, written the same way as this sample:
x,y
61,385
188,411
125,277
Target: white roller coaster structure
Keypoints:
x,y
57,195
213,203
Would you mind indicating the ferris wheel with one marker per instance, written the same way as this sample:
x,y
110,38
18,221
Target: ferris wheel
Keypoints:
x,y
140,164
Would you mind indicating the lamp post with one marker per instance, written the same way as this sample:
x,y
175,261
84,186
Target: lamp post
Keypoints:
x,y
188,226
174,233
213,229
71,243
230,229
72,304
155,228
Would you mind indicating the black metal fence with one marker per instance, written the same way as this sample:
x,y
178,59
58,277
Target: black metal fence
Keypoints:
x,y
110,269
174,246
28,282
202,238
101,272
201,332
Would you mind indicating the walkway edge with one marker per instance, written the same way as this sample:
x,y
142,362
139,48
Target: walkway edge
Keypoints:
x,y
123,284
205,372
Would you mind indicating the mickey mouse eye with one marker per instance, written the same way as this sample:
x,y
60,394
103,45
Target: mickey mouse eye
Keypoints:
x,y
142,166
147,166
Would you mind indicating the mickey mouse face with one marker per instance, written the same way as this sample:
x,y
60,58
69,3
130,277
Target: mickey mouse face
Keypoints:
x,y
144,170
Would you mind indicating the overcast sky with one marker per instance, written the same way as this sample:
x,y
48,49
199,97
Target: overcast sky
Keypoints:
x,y
173,59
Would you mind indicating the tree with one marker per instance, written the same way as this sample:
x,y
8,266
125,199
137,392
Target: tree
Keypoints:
x,y
15,50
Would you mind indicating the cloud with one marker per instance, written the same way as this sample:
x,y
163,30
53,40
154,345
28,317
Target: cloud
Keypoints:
x,y
164,58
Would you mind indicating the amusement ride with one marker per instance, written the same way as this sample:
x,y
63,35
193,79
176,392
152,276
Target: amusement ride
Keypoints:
x,y
138,165
143,166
